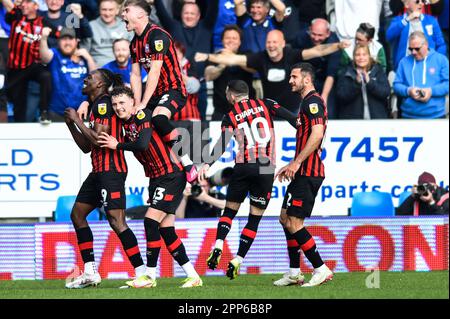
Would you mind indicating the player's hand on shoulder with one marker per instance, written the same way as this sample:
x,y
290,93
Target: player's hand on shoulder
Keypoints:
x,y
83,110
106,140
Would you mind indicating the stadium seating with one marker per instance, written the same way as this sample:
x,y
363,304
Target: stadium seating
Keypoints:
x,y
64,206
403,196
372,204
134,200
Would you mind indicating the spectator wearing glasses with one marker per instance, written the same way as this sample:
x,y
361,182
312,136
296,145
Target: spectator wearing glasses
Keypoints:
x,y
422,80
414,20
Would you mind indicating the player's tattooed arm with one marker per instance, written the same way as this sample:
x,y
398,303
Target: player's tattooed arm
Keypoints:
x,y
140,145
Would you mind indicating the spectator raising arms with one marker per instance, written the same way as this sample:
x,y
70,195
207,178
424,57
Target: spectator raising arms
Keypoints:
x,y
422,80
257,24
57,19
363,89
106,28
23,61
413,20
222,74
274,64
365,36
68,66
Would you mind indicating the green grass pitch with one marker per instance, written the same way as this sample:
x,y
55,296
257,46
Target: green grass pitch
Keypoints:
x,y
405,285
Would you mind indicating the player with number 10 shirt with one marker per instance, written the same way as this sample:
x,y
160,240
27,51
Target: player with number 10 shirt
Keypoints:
x,y
251,123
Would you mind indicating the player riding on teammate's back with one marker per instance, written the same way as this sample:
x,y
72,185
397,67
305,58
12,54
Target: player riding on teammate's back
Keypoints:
x,y
165,93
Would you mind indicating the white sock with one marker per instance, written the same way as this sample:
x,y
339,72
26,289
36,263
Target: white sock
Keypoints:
x,y
190,270
151,272
186,160
219,244
294,272
140,271
90,268
239,259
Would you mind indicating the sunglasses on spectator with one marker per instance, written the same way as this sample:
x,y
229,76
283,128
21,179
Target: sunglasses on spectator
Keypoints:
x,y
415,49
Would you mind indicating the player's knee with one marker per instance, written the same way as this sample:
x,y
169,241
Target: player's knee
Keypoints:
x,y
78,220
117,224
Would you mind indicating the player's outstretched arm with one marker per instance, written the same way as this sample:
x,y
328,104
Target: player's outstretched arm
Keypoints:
x,y
220,146
324,49
285,114
140,145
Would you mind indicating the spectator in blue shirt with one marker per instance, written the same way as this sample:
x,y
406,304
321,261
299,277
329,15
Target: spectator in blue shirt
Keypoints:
x,y
413,20
422,80
257,24
122,63
226,16
68,66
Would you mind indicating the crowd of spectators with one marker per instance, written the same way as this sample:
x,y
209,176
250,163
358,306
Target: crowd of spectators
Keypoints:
x,y
373,58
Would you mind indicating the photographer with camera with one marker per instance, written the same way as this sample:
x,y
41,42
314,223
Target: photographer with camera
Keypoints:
x,y
202,200
427,198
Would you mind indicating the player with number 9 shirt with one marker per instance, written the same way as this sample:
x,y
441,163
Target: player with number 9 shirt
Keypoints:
x,y
251,122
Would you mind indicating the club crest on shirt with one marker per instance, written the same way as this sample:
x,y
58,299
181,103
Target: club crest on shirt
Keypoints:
x,y
159,45
102,108
140,115
314,108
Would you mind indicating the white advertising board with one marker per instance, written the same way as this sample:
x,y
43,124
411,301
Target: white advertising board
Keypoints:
x,y
40,163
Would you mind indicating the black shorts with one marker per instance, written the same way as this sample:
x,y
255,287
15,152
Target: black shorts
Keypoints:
x,y
254,178
301,195
166,192
104,189
173,100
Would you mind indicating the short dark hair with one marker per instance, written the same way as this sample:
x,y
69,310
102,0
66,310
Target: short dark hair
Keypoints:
x,y
138,3
232,27
306,68
238,87
367,29
122,90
